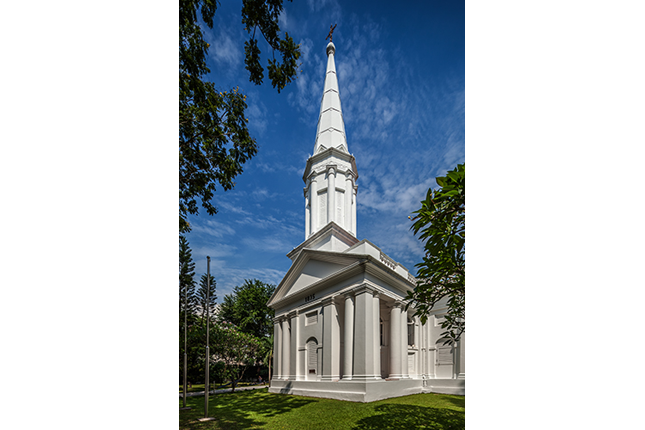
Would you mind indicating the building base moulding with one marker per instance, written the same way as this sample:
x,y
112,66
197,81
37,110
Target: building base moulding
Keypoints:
x,y
367,391
445,386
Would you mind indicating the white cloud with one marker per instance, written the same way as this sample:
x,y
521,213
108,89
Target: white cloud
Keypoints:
x,y
211,227
256,114
227,52
236,277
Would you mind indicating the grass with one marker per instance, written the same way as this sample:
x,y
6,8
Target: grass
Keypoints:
x,y
256,409
200,387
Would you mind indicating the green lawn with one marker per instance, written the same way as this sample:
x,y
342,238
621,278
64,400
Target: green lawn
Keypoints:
x,y
259,409
200,387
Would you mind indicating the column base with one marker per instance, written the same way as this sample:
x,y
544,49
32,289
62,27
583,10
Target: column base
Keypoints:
x,y
332,378
366,378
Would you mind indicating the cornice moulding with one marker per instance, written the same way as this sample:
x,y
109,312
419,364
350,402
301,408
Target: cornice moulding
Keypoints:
x,y
335,230
329,152
364,264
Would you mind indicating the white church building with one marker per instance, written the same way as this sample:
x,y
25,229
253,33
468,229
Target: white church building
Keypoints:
x,y
341,329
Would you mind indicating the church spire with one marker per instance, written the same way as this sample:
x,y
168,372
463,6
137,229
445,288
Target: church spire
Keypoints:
x,y
331,128
330,175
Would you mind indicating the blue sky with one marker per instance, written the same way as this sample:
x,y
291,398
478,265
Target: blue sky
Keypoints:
x,y
401,77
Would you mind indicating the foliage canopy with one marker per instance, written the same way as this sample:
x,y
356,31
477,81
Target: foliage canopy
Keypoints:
x,y
440,223
201,296
235,349
247,308
214,140
186,280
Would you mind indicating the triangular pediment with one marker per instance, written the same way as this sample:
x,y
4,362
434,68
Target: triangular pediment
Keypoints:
x,y
312,272
332,237
313,267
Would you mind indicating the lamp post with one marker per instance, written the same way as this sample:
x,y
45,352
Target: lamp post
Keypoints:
x,y
184,408
208,290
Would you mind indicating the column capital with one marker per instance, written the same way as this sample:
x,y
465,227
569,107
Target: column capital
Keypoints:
x,y
293,314
279,319
331,168
364,288
348,294
327,301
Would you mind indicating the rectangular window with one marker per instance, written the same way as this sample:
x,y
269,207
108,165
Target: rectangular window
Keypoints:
x,y
311,318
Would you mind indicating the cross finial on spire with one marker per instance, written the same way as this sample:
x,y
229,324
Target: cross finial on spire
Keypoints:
x,y
331,31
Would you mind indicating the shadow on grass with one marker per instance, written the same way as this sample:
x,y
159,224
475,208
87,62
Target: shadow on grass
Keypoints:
x,y
459,401
412,417
238,410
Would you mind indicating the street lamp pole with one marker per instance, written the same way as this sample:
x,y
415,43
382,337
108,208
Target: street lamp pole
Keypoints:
x,y
208,289
185,343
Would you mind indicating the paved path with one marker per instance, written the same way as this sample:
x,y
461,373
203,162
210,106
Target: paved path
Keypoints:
x,y
224,390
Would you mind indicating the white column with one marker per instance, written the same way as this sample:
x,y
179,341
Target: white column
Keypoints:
x,y
277,349
417,343
376,331
331,341
424,351
395,341
462,357
355,189
286,347
432,347
404,343
349,337
331,195
293,355
364,335
307,211
313,195
349,190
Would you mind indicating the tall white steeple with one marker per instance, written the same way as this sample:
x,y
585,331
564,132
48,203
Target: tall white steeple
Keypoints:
x,y
331,127
330,175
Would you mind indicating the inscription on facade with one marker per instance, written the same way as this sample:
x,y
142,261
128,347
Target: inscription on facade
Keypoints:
x,y
444,355
310,298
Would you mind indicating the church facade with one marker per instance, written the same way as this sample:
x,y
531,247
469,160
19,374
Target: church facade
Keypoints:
x,y
341,328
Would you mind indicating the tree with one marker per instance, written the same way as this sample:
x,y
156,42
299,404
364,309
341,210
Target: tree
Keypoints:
x,y
442,274
214,140
247,308
201,296
186,280
235,349
267,352
187,302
